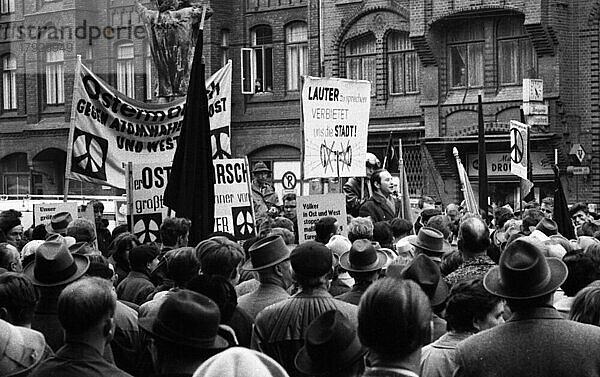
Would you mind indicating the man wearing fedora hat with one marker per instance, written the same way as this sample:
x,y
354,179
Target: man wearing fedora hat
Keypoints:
x,y
279,328
184,333
86,311
263,193
430,242
364,263
58,223
270,258
536,340
331,348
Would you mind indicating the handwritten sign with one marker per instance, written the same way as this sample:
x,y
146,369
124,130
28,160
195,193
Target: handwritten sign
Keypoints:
x,y
336,121
311,208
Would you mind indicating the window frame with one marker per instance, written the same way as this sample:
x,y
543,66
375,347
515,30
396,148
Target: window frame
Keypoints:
x,y
467,44
125,65
404,54
55,89
7,7
362,58
520,43
224,47
301,59
264,51
9,81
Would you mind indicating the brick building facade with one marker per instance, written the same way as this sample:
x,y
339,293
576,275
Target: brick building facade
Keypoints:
x,y
427,60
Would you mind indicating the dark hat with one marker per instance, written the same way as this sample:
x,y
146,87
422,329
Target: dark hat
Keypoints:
x,y
363,257
429,239
59,222
266,253
311,259
548,227
186,319
9,222
54,265
331,344
428,213
260,167
524,272
425,272
142,254
82,230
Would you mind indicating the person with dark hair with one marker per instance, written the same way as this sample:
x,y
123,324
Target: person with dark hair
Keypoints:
x,y
580,214
589,228
400,228
393,324
264,197
357,189
119,257
382,234
325,228
174,233
219,256
425,203
531,218
360,228
102,233
528,280
137,286
10,259
39,232
582,270
469,309
382,205
547,207
473,242
18,299
13,230
84,233
184,333
86,311
586,305
450,262
279,329
290,212
269,257
501,216
117,231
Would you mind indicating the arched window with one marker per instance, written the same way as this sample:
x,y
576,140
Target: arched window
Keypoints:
x,y
296,44
465,55
402,64
360,59
125,69
516,57
55,89
9,82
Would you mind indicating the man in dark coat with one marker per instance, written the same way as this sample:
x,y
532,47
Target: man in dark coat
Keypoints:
x,y
355,194
137,285
382,205
536,340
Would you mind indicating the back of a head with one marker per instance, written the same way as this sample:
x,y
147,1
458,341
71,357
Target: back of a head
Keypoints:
x,y
84,304
441,223
324,228
218,289
393,318
583,270
240,362
586,306
182,265
532,217
8,255
19,297
140,256
468,300
424,201
400,227
383,234
172,229
473,236
219,256
288,237
39,232
82,230
121,246
580,206
502,215
283,222
360,228
99,267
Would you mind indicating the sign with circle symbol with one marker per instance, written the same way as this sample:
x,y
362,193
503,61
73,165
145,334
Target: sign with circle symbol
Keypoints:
x,y
288,181
516,147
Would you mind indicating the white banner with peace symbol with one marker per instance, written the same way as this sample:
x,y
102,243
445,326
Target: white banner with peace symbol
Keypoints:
x,y
518,148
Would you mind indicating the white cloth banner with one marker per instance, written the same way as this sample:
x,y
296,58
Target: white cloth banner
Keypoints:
x,y
518,148
218,88
109,129
336,122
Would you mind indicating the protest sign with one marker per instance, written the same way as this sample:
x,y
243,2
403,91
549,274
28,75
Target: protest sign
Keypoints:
x,y
146,189
313,207
43,212
109,129
233,203
519,156
336,120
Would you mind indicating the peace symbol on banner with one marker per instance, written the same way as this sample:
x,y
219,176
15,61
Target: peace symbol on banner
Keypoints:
x,y
517,146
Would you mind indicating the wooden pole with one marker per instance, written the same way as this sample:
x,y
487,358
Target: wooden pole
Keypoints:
x,y
302,146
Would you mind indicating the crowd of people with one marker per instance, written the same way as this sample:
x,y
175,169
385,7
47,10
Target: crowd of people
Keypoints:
x,y
452,294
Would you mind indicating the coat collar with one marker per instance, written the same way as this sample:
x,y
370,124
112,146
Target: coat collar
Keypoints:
x,y
545,312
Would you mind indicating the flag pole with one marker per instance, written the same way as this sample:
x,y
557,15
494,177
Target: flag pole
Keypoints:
x,y
402,177
483,178
71,133
303,144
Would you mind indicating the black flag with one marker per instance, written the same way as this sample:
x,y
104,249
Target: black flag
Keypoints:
x,y
190,191
390,163
561,209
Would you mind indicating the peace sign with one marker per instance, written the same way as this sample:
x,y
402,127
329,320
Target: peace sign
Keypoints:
x,y
516,149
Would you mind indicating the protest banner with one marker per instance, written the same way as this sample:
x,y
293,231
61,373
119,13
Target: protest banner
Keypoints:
x,y
109,129
313,207
218,88
336,120
233,203
43,212
147,184
519,154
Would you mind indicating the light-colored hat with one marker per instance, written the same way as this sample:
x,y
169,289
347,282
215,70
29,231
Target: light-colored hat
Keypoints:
x,y
339,244
240,362
21,349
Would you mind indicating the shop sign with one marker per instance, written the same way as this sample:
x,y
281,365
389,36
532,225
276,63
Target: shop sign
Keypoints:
x,y
499,164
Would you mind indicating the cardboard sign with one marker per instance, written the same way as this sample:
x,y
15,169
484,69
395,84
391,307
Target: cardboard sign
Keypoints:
x,y
311,208
43,212
233,203
336,121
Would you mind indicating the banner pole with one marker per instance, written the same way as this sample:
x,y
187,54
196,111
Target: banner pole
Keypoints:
x,y
401,174
71,132
130,194
248,181
302,144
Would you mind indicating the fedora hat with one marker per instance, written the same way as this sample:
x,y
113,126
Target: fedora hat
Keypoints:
x,y
186,319
59,222
548,227
429,239
54,265
331,344
523,272
21,349
260,167
425,272
363,257
266,253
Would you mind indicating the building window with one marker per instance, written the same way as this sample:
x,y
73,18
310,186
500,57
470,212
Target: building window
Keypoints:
x,y
257,62
465,55
360,59
224,47
125,71
9,82
55,90
148,69
296,41
403,64
15,174
7,6
516,57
